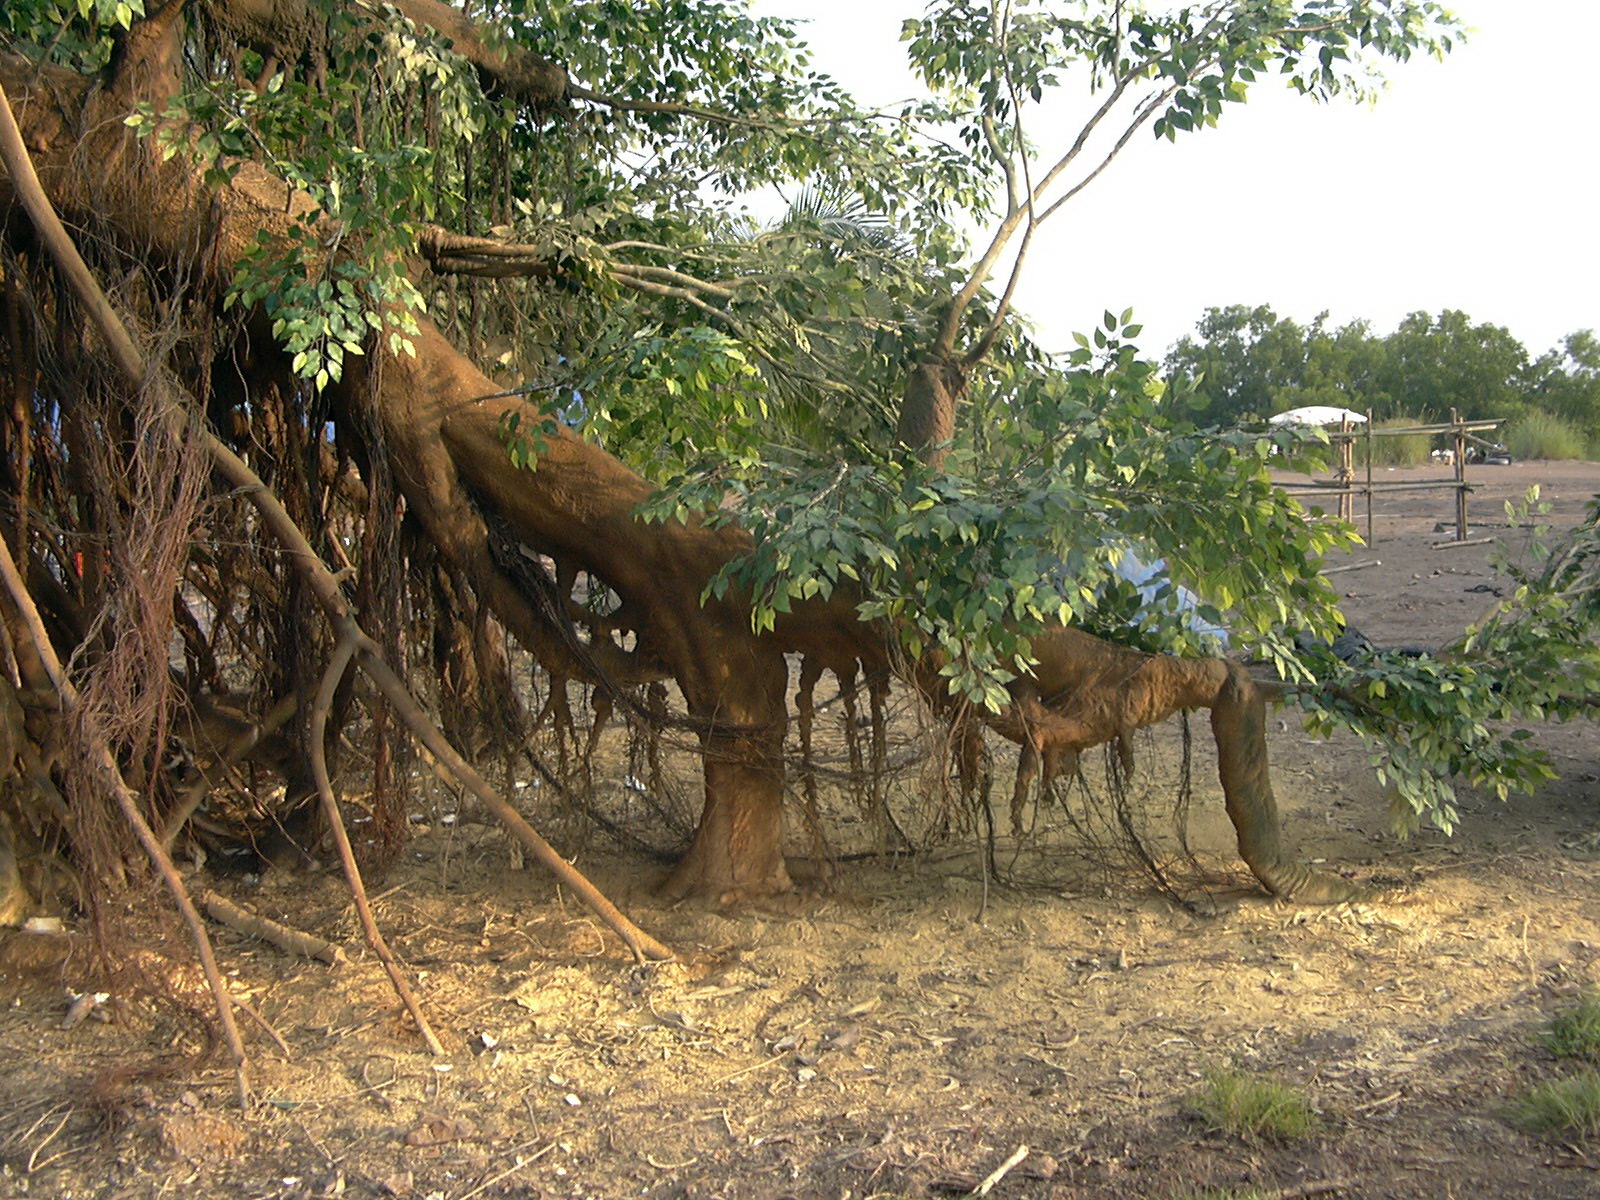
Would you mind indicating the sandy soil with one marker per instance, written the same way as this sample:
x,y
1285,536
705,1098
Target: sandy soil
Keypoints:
x,y
897,1034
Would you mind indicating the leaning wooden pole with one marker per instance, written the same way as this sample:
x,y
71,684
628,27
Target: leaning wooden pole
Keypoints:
x,y
297,547
105,765
20,167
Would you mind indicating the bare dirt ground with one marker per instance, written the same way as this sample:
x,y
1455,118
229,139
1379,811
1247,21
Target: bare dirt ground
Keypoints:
x,y
894,1034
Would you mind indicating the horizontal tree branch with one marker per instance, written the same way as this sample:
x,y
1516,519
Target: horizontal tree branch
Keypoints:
x,y
290,29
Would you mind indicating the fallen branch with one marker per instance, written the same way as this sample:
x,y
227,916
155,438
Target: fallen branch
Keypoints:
x,y
1355,566
251,924
1000,1172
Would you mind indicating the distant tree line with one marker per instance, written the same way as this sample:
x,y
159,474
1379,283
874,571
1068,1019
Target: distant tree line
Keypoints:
x,y
1252,363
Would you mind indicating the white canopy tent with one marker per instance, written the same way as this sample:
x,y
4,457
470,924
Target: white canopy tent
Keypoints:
x,y
1318,414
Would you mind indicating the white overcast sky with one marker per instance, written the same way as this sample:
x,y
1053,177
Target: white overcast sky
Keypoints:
x,y
1473,183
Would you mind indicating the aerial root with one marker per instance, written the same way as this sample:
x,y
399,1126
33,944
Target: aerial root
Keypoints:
x,y
105,765
320,708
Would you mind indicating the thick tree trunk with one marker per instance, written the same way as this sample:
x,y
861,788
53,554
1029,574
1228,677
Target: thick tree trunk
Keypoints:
x,y
742,705
737,851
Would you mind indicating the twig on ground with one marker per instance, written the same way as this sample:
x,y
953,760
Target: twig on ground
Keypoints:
x,y
1321,1187
33,1157
376,1089
511,1170
295,941
1000,1172
666,1166
1378,1103
250,1011
766,1062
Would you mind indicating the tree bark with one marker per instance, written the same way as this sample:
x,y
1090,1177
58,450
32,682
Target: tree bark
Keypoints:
x,y
928,409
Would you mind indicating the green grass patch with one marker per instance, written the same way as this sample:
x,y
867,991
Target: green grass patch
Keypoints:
x,y
1563,1107
1227,1193
1234,1102
1576,1034
1400,450
1538,434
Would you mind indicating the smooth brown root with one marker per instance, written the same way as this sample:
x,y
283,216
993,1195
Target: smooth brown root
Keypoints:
x,y
1238,722
1086,692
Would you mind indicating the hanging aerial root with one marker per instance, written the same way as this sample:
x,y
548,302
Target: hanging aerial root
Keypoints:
x,y
1238,722
1086,692
236,750
877,702
321,706
805,718
297,550
852,738
20,167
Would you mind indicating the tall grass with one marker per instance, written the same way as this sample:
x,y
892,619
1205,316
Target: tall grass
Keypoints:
x,y
1538,434
1404,450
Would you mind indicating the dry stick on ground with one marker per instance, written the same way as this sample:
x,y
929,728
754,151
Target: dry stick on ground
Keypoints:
x,y
297,548
337,666
106,767
1000,1172
250,1011
251,924
1321,1187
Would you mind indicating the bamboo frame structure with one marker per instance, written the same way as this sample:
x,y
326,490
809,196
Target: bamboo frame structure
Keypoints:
x,y
1344,485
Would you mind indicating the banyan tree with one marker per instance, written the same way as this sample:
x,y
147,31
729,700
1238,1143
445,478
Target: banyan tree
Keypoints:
x,y
416,339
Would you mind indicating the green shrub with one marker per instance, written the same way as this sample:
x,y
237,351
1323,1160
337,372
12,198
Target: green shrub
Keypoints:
x,y
1403,450
1537,434
1233,1102
1576,1034
1564,1107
